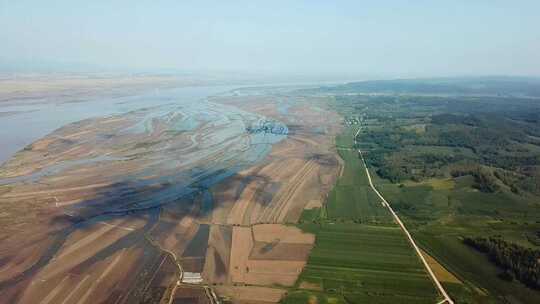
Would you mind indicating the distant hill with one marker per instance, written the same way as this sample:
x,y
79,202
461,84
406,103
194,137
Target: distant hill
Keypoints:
x,y
503,86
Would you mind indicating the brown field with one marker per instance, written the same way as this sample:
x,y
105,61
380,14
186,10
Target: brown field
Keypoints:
x,y
278,191
298,174
280,251
285,234
251,294
190,295
218,254
88,285
242,242
58,246
277,257
273,272
441,273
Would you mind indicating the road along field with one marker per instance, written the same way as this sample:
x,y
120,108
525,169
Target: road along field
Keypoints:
x,y
158,203
361,255
440,288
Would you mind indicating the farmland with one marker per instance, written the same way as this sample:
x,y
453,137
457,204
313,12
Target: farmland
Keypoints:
x,y
361,263
183,202
352,198
456,167
360,255
259,195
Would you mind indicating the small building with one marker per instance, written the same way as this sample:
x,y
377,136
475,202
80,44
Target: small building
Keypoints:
x,y
192,278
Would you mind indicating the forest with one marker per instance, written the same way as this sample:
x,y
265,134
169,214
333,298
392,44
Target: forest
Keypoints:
x,y
495,148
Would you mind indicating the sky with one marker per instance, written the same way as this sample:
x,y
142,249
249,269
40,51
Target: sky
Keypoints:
x,y
378,38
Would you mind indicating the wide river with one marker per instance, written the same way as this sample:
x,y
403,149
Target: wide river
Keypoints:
x,y
22,124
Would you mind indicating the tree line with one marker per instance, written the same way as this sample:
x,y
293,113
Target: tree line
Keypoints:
x,y
517,262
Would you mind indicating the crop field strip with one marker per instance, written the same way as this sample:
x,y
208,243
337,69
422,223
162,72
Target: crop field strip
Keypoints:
x,y
352,198
360,254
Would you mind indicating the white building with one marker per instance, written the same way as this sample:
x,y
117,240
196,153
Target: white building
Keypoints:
x,y
192,278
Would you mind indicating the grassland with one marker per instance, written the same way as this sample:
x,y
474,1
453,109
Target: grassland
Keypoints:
x,y
491,143
360,255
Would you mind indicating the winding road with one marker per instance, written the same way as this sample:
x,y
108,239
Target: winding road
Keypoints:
x,y
441,289
209,292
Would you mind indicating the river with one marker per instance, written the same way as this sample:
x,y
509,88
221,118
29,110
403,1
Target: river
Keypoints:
x,y
22,124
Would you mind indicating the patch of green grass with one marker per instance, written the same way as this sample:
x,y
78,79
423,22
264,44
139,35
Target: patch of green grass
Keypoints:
x,y
304,296
366,262
310,215
352,198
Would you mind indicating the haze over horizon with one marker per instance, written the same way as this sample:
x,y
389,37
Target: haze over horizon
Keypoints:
x,y
383,38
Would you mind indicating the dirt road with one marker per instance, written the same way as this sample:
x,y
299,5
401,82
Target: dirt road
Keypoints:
x,y
443,292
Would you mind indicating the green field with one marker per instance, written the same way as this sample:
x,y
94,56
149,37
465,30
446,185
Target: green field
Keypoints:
x,y
471,170
364,264
352,198
360,255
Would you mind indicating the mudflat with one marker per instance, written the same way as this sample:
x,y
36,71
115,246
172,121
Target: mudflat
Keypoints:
x,y
118,208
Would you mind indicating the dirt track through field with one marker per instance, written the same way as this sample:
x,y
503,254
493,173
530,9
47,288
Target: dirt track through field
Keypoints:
x,y
441,289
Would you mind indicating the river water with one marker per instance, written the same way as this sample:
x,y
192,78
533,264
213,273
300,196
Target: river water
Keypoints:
x,y
197,144
22,124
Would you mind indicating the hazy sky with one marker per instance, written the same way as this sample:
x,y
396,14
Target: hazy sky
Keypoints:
x,y
398,38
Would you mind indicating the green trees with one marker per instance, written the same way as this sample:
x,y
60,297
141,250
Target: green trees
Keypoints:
x,y
516,261
483,179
